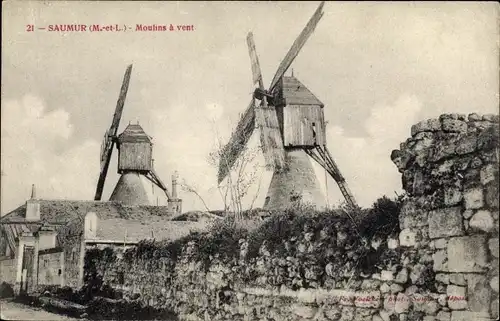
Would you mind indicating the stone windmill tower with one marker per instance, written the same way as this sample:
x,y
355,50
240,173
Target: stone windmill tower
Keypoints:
x,y
292,126
135,161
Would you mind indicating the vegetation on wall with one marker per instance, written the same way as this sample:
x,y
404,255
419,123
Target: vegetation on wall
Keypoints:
x,y
342,237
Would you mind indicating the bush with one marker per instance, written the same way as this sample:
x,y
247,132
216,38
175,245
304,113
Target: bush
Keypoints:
x,y
6,290
382,220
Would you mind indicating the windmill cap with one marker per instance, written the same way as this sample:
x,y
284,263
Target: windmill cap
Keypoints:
x,y
134,133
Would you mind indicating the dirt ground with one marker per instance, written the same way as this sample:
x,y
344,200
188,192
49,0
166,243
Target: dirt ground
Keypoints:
x,y
16,311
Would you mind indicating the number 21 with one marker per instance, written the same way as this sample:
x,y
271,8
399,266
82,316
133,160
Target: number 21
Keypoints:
x,y
30,28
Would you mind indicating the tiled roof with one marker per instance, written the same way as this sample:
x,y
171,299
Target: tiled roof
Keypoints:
x,y
296,93
159,228
134,133
63,211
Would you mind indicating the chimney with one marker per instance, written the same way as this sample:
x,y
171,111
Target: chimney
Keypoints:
x,y
32,207
174,185
33,191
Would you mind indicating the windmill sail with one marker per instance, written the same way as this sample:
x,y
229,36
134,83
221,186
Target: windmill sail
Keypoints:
x,y
108,143
265,117
256,73
270,136
297,45
237,142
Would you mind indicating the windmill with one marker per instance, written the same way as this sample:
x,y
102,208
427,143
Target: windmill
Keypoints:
x,y
292,126
135,150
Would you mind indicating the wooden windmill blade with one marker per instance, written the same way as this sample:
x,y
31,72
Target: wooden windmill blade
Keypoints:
x,y
254,59
270,136
266,118
237,142
109,138
297,45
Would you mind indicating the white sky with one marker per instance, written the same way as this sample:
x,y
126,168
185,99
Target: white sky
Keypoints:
x,y
377,67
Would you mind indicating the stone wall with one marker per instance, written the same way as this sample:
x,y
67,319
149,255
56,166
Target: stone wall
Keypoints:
x,y
51,267
8,270
450,171
70,239
443,265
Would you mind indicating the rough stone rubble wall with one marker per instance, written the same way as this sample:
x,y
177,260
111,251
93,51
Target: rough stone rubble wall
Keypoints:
x,y
443,266
450,171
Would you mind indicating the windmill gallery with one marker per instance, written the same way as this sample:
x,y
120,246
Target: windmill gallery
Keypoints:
x,y
290,121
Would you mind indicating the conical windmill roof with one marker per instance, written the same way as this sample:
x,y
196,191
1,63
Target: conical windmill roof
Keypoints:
x,y
134,133
296,93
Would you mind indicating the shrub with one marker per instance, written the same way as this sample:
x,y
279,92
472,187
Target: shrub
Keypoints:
x,y
382,220
6,290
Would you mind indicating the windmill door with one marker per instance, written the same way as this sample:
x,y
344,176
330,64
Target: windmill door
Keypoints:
x,y
27,269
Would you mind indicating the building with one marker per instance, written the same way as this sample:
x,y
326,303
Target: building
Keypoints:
x,y
43,242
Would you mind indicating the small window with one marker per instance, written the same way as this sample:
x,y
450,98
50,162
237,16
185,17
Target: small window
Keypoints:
x,y
59,272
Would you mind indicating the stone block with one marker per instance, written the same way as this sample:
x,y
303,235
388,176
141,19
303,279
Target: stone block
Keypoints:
x,y
452,196
387,276
367,299
440,243
494,283
479,293
488,173
402,304
469,316
348,313
440,261
493,247
494,308
467,254
419,183
425,304
304,311
412,216
392,243
491,192
396,288
453,126
490,117
473,198
457,278
362,314
385,288
442,149
456,297
443,316
429,125
402,276
443,278
482,221
407,238
466,144
333,312
446,222
467,214
474,117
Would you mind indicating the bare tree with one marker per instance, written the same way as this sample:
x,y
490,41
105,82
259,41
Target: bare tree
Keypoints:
x,y
235,189
192,189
